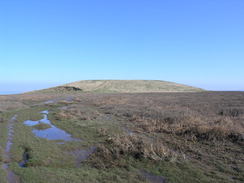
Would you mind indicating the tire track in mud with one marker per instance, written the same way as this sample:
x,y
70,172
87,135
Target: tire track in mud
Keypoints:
x,y
11,177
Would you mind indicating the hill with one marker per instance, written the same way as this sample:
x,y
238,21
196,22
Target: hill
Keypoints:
x,y
130,86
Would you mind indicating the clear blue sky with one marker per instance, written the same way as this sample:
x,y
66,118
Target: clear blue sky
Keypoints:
x,y
48,42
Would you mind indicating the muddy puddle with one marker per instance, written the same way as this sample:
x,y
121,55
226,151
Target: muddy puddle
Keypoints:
x,y
152,178
26,157
52,132
82,155
54,101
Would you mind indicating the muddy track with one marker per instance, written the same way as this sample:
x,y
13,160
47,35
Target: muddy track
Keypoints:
x,y
11,177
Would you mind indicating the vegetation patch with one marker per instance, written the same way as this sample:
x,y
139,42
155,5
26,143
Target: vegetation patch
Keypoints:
x,y
2,175
181,137
42,126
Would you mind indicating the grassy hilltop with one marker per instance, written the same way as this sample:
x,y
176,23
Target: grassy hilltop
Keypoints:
x,y
131,86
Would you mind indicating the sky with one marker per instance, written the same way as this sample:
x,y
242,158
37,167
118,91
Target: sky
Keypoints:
x,y
45,43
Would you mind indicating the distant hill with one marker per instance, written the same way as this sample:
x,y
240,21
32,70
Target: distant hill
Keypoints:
x,y
128,86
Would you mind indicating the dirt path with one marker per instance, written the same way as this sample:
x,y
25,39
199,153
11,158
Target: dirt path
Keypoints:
x,y
11,177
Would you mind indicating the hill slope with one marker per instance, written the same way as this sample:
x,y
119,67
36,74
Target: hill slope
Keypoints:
x,y
131,86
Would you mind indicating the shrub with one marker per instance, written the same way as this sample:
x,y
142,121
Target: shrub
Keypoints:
x,y
231,112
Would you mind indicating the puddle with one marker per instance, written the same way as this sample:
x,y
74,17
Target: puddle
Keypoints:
x,y
54,101
63,108
69,99
52,133
49,102
128,131
82,154
152,178
25,160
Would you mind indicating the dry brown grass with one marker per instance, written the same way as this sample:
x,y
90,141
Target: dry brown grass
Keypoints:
x,y
78,112
202,116
206,129
138,147
187,123
117,147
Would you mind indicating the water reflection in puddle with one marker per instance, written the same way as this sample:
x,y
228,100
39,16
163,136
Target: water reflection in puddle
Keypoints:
x,y
52,133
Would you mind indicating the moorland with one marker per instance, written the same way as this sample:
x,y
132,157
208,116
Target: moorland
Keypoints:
x,y
122,131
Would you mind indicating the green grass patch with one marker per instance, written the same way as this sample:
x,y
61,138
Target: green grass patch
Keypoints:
x,y
76,175
42,126
2,175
